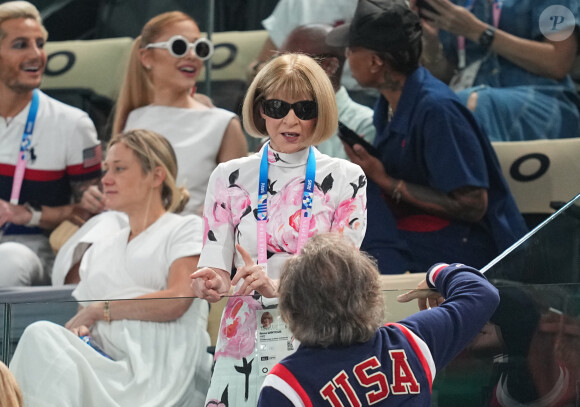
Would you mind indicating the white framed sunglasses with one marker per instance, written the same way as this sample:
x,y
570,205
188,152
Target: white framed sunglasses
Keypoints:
x,y
178,46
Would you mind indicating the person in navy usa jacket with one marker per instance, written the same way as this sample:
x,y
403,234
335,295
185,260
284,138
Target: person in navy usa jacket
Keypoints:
x,y
330,297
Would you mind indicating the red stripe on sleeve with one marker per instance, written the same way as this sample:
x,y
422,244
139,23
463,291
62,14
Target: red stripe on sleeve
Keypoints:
x,y
282,372
32,175
435,272
417,350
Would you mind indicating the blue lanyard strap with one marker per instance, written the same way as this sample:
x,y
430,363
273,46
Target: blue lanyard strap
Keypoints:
x,y
24,146
263,186
309,183
262,210
30,120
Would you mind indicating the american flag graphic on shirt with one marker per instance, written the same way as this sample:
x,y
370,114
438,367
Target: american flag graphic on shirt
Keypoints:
x,y
92,156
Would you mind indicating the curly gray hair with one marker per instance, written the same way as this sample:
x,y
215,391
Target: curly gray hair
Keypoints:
x,y
330,293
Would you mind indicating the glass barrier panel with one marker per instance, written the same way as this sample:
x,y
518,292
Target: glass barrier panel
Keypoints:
x,y
23,314
531,346
528,352
549,254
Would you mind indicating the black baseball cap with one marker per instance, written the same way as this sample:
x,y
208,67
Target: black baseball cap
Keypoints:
x,y
380,25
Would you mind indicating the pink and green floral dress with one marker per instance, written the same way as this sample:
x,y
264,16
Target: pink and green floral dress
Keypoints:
x,y
339,205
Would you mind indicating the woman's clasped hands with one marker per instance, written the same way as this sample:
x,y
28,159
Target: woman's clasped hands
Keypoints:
x,y
210,283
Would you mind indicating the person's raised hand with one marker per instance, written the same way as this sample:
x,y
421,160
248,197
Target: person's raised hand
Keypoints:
x,y
255,277
452,18
93,200
209,284
423,294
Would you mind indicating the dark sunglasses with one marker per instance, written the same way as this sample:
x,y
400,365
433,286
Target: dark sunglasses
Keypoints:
x,y
178,46
277,109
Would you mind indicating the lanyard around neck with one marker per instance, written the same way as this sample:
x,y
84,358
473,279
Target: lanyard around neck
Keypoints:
x,y
497,4
24,146
262,211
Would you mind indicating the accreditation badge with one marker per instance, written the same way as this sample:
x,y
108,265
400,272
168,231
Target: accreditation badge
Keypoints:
x,y
275,341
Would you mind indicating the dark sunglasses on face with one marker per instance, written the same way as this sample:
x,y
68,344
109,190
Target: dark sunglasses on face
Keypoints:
x,y
277,109
178,46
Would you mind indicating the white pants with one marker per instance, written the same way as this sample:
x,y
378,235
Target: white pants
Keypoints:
x,y
25,260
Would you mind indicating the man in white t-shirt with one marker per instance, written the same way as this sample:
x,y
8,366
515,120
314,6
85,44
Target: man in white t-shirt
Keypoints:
x,y
62,155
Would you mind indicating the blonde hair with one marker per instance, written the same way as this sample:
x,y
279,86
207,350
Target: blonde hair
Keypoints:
x,y
330,293
10,393
153,150
137,88
20,9
295,75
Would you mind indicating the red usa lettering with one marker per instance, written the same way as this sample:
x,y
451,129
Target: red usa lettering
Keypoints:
x,y
369,375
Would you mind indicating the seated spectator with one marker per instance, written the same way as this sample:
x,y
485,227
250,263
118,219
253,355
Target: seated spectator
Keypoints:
x,y
10,394
158,94
310,39
439,172
151,352
346,356
390,251
512,59
49,154
290,14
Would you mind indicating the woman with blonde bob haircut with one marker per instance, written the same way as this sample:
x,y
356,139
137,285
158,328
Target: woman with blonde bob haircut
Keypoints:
x,y
296,75
139,337
260,210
